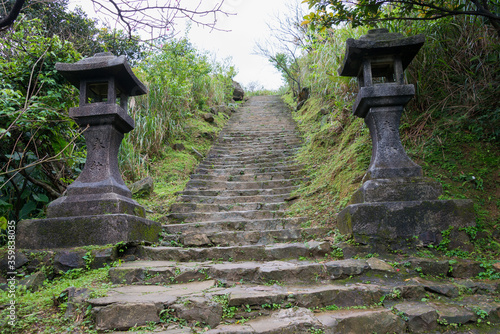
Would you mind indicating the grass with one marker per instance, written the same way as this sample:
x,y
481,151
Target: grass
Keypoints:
x,y
43,311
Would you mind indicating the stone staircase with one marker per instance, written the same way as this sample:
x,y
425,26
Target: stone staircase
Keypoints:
x,y
231,261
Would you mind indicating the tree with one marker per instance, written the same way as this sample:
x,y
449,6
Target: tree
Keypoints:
x,y
371,12
286,41
156,17
38,151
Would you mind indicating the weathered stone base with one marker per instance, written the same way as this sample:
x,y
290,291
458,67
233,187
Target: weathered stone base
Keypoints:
x,y
78,231
94,204
394,225
397,189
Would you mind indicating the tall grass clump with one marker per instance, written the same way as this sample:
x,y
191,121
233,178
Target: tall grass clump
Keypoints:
x,y
182,83
336,149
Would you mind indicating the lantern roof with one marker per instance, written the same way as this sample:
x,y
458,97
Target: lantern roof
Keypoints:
x,y
103,66
379,43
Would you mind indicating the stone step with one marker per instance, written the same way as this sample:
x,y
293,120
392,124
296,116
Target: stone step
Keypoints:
x,y
225,216
248,159
249,166
259,145
235,152
235,185
412,303
249,177
240,193
248,171
233,238
234,200
249,272
253,150
235,225
260,137
198,207
272,252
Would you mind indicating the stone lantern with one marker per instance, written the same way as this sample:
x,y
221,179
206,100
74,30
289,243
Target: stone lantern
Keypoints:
x,y
395,205
97,208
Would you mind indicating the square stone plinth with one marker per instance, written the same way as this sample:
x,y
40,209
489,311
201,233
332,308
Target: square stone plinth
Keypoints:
x,y
396,225
79,231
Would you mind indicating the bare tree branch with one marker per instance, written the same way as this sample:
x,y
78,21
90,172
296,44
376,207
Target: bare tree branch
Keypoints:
x,y
6,21
159,17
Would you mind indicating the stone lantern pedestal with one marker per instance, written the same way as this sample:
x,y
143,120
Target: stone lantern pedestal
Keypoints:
x,y
97,208
396,206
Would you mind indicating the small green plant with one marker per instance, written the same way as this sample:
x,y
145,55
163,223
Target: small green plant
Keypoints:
x,y
228,312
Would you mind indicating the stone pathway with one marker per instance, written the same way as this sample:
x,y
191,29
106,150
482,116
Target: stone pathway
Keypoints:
x,y
231,261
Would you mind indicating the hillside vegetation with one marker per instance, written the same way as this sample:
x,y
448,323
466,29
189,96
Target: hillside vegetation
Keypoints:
x,y
451,127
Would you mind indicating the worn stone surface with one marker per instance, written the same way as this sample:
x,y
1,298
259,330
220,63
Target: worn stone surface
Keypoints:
x,y
362,321
124,316
396,223
447,290
238,92
85,230
397,189
466,268
143,187
293,321
34,281
422,318
199,309
103,257
431,267
68,260
208,118
20,259
453,314
196,240
379,265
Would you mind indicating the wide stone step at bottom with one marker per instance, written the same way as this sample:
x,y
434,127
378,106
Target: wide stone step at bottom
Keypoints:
x,y
396,306
235,238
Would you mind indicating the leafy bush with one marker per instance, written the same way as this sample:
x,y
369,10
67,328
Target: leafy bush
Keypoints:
x,y
38,150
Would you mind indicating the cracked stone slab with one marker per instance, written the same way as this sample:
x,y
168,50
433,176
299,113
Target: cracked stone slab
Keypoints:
x,y
165,295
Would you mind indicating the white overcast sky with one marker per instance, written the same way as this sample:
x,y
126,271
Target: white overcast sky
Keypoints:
x,y
247,26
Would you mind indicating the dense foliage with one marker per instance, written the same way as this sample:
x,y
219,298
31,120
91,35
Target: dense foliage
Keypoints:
x,y
38,150
373,12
